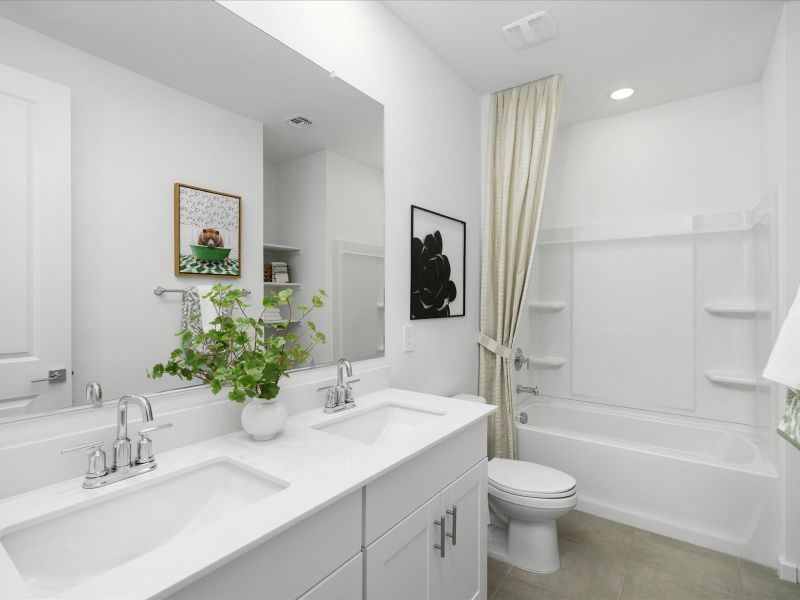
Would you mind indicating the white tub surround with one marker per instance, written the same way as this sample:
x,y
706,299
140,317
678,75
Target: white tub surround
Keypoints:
x,y
699,481
311,470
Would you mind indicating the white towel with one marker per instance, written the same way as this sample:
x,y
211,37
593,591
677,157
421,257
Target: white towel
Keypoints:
x,y
207,311
783,365
197,312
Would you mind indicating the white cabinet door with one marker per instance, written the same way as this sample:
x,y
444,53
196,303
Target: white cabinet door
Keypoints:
x,y
35,217
465,503
345,583
403,563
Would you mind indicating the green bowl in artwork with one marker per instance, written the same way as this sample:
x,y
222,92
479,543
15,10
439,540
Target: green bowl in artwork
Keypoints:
x,y
208,253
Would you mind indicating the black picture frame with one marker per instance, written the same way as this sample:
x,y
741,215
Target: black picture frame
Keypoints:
x,y
433,301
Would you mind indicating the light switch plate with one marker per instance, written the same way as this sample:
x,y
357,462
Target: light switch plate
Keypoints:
x,y
408,338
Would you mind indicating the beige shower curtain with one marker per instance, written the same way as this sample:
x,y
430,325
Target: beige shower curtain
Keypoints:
x,y
522,126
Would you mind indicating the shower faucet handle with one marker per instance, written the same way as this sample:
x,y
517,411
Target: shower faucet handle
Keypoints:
x,y
520,359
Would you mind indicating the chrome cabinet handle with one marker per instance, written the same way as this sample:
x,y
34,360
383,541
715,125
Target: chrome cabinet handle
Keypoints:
x,y
453,513
441,545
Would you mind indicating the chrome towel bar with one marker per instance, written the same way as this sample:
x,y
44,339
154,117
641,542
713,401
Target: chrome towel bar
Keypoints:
x,y
160,291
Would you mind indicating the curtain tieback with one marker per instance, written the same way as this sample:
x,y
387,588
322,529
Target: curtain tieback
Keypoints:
x,y
494,346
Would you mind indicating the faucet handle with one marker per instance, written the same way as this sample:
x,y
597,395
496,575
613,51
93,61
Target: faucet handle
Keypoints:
x,y
144,447
97,458
330,396
349,399
144,432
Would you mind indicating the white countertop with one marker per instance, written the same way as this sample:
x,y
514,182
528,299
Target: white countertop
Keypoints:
x,y
320,468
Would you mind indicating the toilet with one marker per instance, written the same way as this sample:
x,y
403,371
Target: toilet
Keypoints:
x,y
525,499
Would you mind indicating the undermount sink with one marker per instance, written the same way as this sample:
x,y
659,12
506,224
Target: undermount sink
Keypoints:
x,y
68,549
382,423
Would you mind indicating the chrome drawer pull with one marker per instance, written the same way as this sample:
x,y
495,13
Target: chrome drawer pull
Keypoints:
x,y
453,513
440,546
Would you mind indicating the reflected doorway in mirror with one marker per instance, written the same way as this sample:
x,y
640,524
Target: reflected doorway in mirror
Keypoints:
x,y
207,232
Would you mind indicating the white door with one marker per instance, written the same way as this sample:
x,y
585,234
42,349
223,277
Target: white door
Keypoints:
x,y
465,504
403,564
35,221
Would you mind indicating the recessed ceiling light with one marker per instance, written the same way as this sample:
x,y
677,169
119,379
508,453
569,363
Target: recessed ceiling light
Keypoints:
x,y
622,93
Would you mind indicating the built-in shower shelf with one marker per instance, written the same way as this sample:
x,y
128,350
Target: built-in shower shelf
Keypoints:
x,y
547,306
744,380
547,362
731,310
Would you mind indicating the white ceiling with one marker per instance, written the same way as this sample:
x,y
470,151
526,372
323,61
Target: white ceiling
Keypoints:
x,y
202,49
667,50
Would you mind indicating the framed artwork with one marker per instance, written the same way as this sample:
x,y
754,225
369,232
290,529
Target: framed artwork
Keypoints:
x,y
438,265
208,237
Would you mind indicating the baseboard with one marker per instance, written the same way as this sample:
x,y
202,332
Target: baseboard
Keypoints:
x,y
787,570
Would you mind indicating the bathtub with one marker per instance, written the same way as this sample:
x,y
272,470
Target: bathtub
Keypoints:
x,y
704,483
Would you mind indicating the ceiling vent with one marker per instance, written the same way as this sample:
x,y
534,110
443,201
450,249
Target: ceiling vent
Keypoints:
x,y
299,121
530,31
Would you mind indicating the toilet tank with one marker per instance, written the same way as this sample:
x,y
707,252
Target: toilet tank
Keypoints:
x,y
470,398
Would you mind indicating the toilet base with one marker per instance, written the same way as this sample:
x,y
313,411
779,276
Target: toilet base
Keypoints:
x,y
533,545
533,549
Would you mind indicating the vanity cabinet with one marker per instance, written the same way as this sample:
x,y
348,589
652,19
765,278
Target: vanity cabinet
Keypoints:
x,y
292,563
345,583
379,542
439,550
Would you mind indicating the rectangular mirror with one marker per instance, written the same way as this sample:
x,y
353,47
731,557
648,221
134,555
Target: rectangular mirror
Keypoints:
x,y
104,108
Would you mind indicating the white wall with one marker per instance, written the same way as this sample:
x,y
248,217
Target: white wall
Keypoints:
x,y
356,205
302,222
270,203
698,155
431,159
319,198
355,198
132,139
780,141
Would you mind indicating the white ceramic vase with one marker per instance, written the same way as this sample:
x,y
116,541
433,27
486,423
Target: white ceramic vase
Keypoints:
x,y
263,419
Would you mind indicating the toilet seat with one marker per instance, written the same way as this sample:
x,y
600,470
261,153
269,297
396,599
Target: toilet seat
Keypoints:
x,y
569,501
522,479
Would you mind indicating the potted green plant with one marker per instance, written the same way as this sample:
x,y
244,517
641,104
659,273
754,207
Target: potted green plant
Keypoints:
x,y
249,355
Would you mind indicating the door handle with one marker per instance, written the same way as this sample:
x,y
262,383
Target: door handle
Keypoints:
x,y
53,376
442,533
453,513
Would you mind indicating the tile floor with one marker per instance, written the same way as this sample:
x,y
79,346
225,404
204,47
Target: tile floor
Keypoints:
x,y
604,560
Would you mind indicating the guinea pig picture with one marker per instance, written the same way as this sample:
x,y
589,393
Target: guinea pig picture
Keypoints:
x,y
208,232
211,238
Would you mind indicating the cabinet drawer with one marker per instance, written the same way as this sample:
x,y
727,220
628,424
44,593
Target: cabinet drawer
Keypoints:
x,y
397,494
292,562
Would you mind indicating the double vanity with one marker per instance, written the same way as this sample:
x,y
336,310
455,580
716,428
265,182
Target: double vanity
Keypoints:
x,y
385,500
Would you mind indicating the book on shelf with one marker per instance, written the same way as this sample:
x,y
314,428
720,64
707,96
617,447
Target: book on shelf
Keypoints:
x,y
280,272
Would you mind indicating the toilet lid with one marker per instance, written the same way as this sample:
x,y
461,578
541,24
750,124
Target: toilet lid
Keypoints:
x,y
524,478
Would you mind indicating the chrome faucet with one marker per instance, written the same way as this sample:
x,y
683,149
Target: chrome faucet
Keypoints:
x,y
340,396
122,445
94,394
123,467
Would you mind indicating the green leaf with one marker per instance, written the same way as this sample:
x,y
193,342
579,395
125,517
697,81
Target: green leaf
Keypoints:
x,y
242,351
